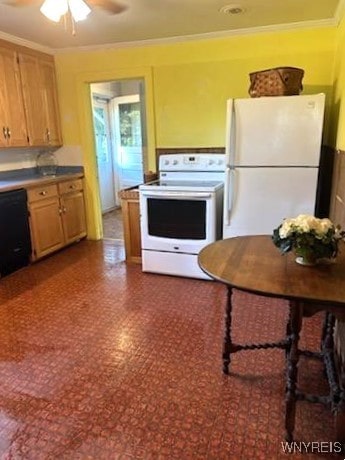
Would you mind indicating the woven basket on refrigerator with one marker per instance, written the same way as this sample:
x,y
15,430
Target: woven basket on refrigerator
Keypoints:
x,y
281,81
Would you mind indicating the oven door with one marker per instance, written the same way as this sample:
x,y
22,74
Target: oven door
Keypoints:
x,y
177,221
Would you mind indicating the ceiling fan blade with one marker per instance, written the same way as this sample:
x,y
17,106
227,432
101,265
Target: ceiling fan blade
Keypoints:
x,y
112,7
22,2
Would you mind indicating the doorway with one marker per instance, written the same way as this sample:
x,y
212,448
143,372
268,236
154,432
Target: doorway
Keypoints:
x,y
128,140
105,163
120,136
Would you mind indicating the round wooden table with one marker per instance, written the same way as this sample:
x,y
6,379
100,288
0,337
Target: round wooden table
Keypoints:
x,y
253,264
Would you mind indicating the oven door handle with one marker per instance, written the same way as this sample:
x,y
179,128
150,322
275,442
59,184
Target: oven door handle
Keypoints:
x,y
179,195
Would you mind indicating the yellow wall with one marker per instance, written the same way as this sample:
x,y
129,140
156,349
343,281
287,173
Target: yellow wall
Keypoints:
x,y
338,111
187,86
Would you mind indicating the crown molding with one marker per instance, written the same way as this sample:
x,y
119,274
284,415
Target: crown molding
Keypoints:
x,y
332,22
26,43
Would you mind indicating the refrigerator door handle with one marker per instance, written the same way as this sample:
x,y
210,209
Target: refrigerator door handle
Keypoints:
x,y
230,132
229,193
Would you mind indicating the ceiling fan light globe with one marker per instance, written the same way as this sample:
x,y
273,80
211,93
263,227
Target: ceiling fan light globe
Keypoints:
x,y
79,9
53,9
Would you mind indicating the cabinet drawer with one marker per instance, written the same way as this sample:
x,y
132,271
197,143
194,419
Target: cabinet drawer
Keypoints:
x,y
70,186
39,193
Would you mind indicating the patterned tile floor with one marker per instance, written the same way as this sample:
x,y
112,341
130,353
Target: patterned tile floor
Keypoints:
x,y
100,361
112,224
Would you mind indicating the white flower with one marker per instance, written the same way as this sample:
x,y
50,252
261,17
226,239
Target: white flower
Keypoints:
x,y
306,233
338,233
286,228
305,223
324,226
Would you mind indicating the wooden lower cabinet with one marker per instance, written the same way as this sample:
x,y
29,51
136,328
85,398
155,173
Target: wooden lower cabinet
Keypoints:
x,y
73,210
131,224
57,216
46,227
73,216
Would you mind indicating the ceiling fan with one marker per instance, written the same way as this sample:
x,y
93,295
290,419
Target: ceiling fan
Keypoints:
x,y
79,9
71,11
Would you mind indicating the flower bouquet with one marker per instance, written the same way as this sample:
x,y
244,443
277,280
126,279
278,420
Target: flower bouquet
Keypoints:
x,y
311,238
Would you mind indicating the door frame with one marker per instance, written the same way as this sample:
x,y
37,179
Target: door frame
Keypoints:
x,y
83,82
105,103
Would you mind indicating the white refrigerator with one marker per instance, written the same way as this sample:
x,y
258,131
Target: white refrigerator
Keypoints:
x,y
272,161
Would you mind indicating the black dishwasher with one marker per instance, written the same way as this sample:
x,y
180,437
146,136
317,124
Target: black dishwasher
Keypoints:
x,y
15,244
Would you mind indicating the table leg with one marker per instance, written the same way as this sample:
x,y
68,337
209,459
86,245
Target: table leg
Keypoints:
x,y
324,329
328,332
340,415
296,315
288,334
227,344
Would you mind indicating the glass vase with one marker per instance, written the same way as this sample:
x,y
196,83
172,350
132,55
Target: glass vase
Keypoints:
x,y
305,257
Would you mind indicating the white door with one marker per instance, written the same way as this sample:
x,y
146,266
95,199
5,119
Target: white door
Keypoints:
x,y
276,131
128,141
258,199
104,154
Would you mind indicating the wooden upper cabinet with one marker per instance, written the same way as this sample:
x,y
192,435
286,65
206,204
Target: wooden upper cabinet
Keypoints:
x,y
33,99
40,100
13,132
29,112
3,102
47,70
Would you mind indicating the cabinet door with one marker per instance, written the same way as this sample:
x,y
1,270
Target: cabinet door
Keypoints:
x,y
73,216
48,79
46,226
33,95
3,99
12,117
131,227
40,100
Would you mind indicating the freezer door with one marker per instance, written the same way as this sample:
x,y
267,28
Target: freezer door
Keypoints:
x,y
276,131
258,199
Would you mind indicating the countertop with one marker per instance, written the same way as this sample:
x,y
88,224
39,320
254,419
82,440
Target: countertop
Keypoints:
x,y
35,179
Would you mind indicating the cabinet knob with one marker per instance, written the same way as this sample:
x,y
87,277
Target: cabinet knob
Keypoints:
x,y
64,209
4,130
60,211
8,132
43,193
72,186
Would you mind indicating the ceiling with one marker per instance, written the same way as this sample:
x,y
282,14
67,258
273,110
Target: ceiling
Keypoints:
x,y
162,19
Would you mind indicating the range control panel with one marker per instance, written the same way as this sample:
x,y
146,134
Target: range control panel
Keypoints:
x,y
192,162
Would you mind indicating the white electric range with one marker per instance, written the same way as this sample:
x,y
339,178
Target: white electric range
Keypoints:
x,y
181,212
